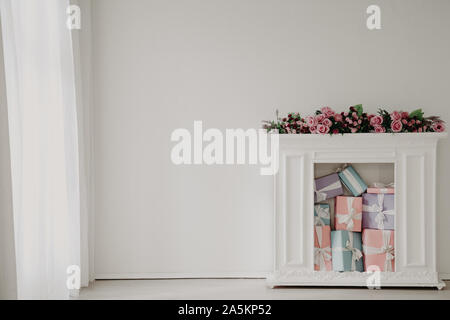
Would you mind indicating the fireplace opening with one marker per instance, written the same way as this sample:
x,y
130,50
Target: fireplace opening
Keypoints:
x,y
354,217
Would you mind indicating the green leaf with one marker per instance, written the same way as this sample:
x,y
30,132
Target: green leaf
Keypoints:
x,y
417,114
359,109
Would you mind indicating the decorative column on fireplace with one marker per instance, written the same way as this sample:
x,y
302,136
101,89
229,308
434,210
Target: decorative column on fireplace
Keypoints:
x,y
413,156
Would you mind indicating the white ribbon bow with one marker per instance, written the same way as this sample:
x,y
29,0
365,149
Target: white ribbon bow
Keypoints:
x,y
385,249
356,253
321,254
321,195
378,208
352,215
383,187
342,168
322,213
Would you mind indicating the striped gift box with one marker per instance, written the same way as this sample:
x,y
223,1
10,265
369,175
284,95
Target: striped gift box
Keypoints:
x,y
352,181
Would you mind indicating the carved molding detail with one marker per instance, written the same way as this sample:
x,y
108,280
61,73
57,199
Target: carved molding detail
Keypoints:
x,y
304,277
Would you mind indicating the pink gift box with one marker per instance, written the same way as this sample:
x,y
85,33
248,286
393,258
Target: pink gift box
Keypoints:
x,y
378,250
322,248
348,213
381,190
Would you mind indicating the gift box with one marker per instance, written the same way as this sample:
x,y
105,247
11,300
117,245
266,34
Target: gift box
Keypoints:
x,y
327,187
348,213
352,181
378,250
379,187
346,254
378,211
322,249
380,190
322,214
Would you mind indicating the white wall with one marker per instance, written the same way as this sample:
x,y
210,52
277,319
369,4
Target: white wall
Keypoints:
x,y
160,65
8,285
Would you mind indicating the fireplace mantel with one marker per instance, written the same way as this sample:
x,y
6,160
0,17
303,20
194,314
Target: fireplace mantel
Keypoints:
x,y
414,158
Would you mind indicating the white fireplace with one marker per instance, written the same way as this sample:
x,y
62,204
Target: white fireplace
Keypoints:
x,y
408,159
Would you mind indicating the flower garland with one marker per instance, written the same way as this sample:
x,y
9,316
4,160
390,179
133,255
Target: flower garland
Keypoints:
x,y
327,121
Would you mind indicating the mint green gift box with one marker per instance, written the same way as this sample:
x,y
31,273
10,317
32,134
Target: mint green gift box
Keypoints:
x,y
346,251
352,181
322,214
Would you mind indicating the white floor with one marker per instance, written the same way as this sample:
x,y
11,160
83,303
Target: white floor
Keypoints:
x,y
241,289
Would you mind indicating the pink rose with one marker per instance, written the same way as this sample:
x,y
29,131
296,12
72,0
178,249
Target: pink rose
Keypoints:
x,y
404,121
327,122
320,118
311,121
313,129
338,117
396,126
405,115
353,130
380,129
323,129
376,121
438,127
355,115
396,116
327,111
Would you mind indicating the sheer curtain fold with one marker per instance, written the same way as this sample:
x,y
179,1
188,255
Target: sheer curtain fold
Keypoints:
x,y
42,116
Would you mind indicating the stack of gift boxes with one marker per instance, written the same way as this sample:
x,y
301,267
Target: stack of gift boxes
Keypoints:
x,y
362,237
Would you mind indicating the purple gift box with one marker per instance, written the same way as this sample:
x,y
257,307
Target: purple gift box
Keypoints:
x,y
327,187
378,211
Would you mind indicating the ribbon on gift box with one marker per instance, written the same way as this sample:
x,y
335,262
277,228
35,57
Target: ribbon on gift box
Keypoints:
x,y
352,180
382,185
384,188
356,253
321,194
378,208
342,168
347,219
386,248
321,254
322,213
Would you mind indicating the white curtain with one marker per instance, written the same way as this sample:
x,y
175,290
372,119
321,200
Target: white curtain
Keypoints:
x,y
42,116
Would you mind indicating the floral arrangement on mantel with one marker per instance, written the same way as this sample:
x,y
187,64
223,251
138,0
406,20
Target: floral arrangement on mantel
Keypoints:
x,y
327,121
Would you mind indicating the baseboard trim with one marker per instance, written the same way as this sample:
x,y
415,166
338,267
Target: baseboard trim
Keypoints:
x,y
175,275
444,276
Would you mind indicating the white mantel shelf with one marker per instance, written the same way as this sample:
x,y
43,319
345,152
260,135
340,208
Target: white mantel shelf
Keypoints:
x,y
414,159
364,137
